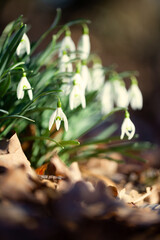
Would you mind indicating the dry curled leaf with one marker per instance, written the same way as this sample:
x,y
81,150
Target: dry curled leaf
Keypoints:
x,y
12,155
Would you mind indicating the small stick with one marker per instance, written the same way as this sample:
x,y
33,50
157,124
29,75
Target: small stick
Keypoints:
x,y
50,177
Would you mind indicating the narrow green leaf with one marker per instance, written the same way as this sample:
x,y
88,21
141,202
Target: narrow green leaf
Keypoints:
x,y
133,156
36,98
12,26
71,142
54,24
4,111
5,85
75,22
114,160
114,111
127,74
11,48
16,116
42,138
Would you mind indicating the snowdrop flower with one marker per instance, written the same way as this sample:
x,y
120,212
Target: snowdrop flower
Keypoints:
x,y
121,94
85,74
68,44
84,45
24,85
127,127
24,46
106,97
135,95
64,64
77,96
77,78
98,77
58,116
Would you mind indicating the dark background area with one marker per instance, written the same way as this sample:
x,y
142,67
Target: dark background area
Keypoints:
x,y
126,33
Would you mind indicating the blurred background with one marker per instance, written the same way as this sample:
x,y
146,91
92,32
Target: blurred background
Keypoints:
x,y
126,33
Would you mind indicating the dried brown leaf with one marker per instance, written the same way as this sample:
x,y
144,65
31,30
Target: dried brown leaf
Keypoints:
x,y
12,155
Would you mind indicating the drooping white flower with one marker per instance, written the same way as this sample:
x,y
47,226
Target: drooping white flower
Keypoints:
x,y
58,116
66,86
135,95
64,64
77,96
106,97
127,127
85,74
67,44
98,77
22,86
24,46
120,94
84,45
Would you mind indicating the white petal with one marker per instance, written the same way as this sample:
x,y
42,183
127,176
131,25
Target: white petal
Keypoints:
x,y
127,128
52,118
85,74
63,116
75,97
135,97
20,92
64,64
27,84
24,46
27,42
122,99
68,44
106,97
71,99
122,134
83,100
98,76
58,123
84,46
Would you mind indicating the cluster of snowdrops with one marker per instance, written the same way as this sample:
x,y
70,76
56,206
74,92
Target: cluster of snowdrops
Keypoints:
x,y
79,79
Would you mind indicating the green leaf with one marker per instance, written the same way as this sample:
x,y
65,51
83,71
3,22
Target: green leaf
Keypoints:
x,y
5,85
75,22
114,111
113,159
16,116
127,74
71,142
54,24
42,138
4,111
10,49
12,26
36,98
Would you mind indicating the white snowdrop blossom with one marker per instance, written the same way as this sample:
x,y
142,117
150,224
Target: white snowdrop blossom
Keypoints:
x,y
66,86
86,76
67,44
98,77
106,97
77,96
121,94
24,46
135,95
127,127
77,80
22,86
64,64
84,46
58,116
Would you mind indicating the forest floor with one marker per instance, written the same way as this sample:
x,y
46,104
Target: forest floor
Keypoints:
x,y
98,199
